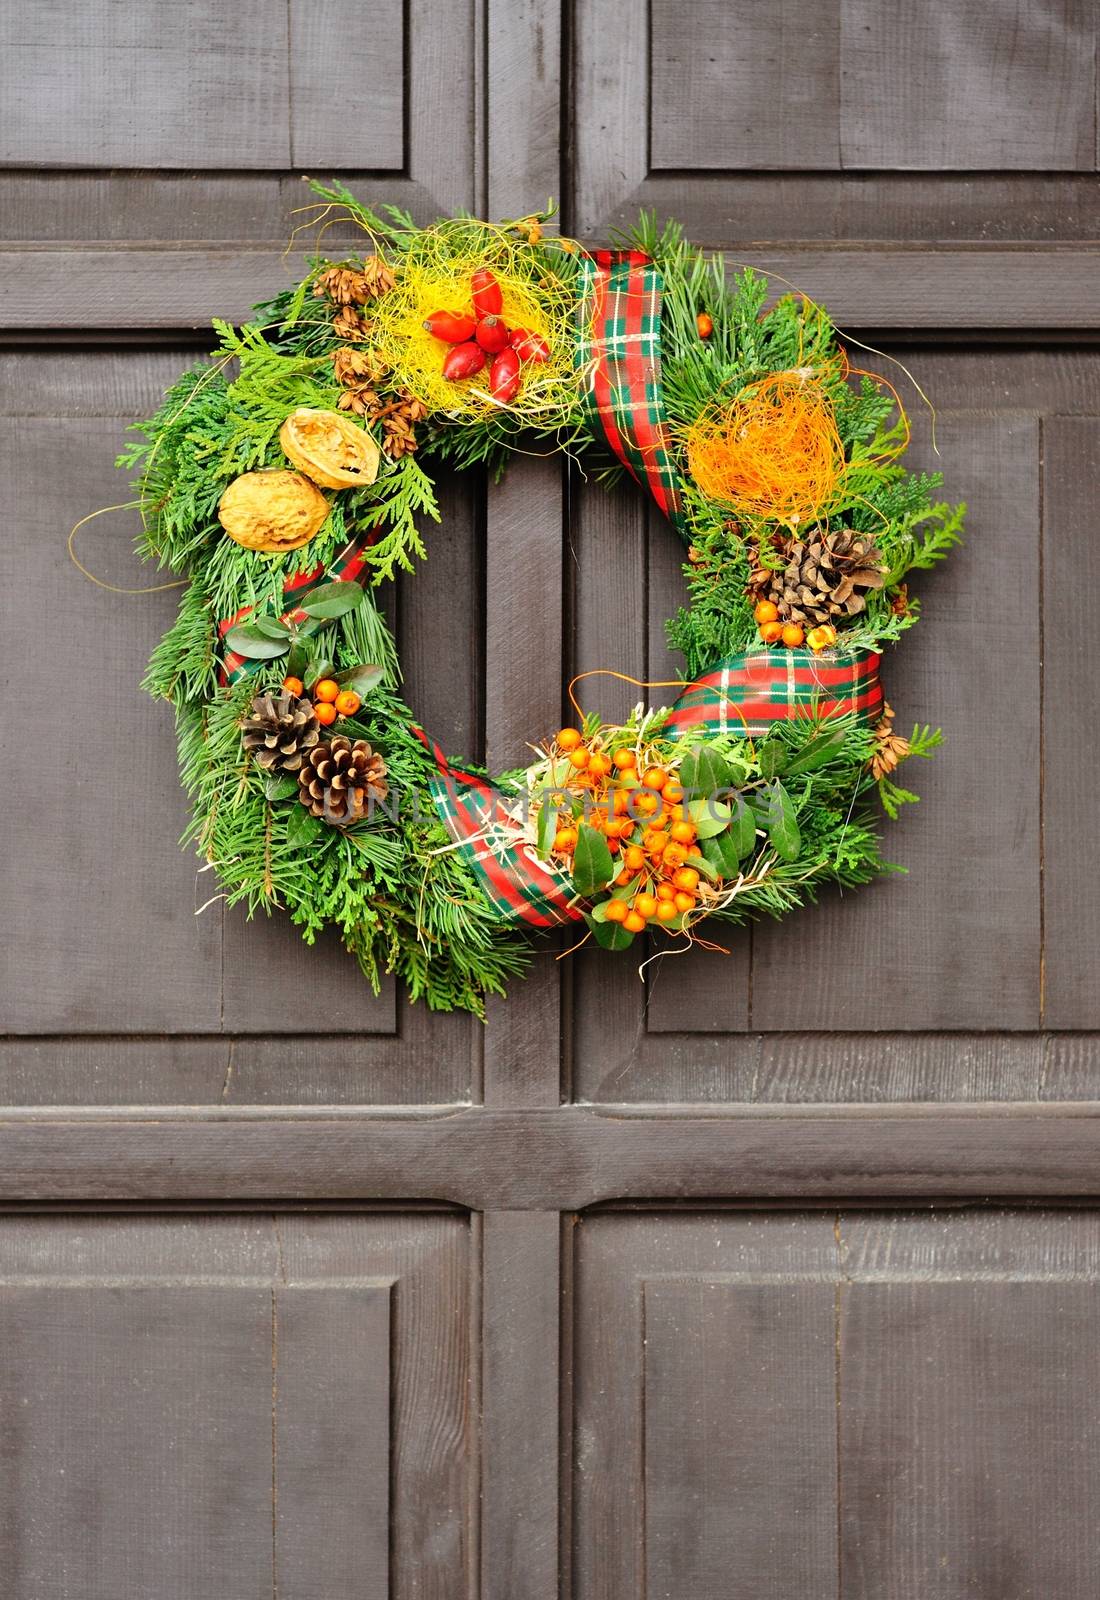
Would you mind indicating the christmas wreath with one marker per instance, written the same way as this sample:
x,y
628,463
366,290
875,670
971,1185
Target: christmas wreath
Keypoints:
x,y
285,477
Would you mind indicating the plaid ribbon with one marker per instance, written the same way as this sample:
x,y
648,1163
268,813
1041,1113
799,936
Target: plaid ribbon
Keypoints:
x,y
479,818
620,346
745,694
348,564
750,693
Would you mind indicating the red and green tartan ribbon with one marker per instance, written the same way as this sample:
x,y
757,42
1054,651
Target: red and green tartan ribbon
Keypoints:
x,y
750,693
743,695
619,349
347,564
480,819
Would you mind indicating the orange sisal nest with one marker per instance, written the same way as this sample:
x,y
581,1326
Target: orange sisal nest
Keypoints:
x,y
774,451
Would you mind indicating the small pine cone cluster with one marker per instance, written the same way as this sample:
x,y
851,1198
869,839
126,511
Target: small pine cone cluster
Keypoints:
x,y
358,371
357,367
344,286
350,323
340,779
890,747
378,276
280,731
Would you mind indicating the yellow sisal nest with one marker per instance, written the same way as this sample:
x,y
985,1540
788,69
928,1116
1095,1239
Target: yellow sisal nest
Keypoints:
x,y
435,276
773,451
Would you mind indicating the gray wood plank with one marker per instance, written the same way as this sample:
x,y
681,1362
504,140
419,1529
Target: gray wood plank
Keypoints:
x,y
520,1367
148,1469
331,1403
992,88
956,945
110,942
740,1439
337,65
969,1441
1071,765
719,71
254,85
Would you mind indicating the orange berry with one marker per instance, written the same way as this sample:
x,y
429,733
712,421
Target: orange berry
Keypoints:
x,y
683,832
793,636
646,905
665,891
625,759
635,857
686,878
567,738
579,759
613,844
666,911
646,804
704,323
616,911
771,632
325,712
673,792
633,922
676,812
694,852
821,638
765,611
620,802
599,764
684,901
674,855
348,703
655,778
326,691
565,839
293,685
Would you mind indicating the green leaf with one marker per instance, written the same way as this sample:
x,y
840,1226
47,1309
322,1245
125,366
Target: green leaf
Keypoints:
x,y
593,867
704,771
296,661
781,822
271,628
280,786
547,826
710,817
820,749
333,599
318,667
721,854
361,679
610,935
247,640
743,828
302,828
773,758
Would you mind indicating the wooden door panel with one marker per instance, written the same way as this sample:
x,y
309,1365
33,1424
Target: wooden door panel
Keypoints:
x,y
853,1405
205,1407
110,942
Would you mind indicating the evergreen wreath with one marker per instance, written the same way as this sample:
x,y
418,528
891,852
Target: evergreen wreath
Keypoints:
x,y
285,477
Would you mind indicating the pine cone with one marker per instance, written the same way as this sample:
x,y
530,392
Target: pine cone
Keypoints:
x,y
822,578
378,276
890,747
361,401
339,779
343,286
348,323
352,367
279,732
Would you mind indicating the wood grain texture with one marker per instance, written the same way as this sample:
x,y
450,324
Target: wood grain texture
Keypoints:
x,y
718,73
519,1479
957,944
1071,766
552,1160
230,1386
255,85
995,88
740,1438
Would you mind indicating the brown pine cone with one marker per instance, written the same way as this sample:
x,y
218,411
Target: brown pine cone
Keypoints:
x,y
343,286
362,401
890,747
280,731
353,366
378,276
348,323
824,576
339,780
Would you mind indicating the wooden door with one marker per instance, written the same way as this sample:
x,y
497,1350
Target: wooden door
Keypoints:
x,y
777,1275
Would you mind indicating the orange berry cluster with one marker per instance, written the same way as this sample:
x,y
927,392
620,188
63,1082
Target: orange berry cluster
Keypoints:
x,y
772,631
641,813
329,700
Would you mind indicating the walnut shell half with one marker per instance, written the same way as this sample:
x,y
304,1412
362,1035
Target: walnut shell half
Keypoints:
x,y
329,448
272,510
